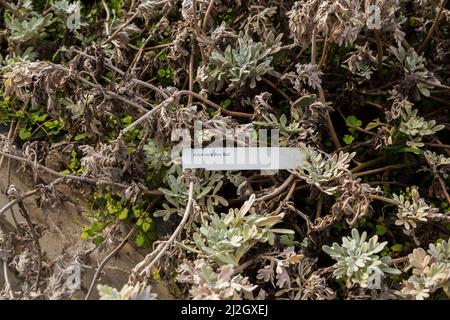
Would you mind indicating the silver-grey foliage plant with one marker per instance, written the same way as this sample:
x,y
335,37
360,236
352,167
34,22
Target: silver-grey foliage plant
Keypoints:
x,y
245,63
358,259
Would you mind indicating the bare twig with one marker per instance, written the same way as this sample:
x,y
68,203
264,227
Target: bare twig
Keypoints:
x,y
13,10
207,14
313,47
326,49
108,15
150,260
330,126
384,199
281,92
6,276
191,72
72,177
278,190
16,201
123,26
433,28
137,57
444,187
390,167
379,48
244,265
319,206
122,73
25,214
446,147
107,258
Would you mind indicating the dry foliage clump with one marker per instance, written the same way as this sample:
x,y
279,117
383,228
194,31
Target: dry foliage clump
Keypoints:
x,y
94,95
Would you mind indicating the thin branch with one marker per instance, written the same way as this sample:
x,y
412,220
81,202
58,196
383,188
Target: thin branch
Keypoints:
x,y
191,72
446,147
326,49
15,201
180,227
72,177
367,164
379,48
106,259
243,266
384,199
444,187
433,28
373,104
207,14
13,10
437,85
123,26
124,74
108,15
313,47
25,214
164,95
195,95
278,190
6,276
437,145
273,86
390,167
330,126
319,206
137,57
163,247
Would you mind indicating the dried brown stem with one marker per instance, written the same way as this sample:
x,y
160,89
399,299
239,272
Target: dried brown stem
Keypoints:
x,y
444,187
149,261
11,203
123,26
69,176
207,14
13,10
25,214
107,258
278,190
390,167
433,28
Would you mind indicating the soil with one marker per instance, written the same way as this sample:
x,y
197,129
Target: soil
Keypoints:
x,y
63,235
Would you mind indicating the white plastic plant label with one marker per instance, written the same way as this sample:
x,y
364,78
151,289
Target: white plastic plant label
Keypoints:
x,y
244,158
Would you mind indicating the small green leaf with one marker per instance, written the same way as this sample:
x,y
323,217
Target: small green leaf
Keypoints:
x,y
127,120
381,229
348,139
25,133
374,124
85,235
146,226
155,274
411,150
353,121
124,214
161,73
80,136
397,247
225,103
140,240
97,240
97,226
